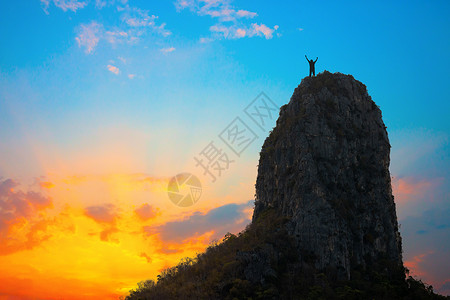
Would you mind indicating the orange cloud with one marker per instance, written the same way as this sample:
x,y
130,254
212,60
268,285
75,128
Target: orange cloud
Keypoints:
x,y
113,69
20,210
413,264
102,213
148,258
46,184
85,239
408,188
106,235
146,212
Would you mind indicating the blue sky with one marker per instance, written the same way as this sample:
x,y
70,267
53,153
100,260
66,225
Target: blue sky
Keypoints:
x,y
117,86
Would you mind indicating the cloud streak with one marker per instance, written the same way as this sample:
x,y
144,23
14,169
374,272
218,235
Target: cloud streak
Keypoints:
x,y
167,50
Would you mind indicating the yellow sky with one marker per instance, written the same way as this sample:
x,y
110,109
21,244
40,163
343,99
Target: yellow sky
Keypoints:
x,y
89,239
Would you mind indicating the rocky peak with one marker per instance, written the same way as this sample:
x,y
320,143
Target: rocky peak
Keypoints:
x,y
325,166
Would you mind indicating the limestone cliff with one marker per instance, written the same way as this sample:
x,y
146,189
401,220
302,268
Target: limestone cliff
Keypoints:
x,y
326,167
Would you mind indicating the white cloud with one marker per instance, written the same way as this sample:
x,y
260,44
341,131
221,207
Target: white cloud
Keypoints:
x,y
88,36
116,36
231,22
223,30
162,30
138,18
136,22
263,30
74,5
131,76
240,32
235,32
246,13
113,69
167,50
65,5
220,9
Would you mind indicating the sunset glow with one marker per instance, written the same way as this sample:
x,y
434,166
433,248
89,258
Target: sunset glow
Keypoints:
x,y
102,102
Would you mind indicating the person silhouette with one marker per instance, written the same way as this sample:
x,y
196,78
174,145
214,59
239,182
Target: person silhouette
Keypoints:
x,y
311,66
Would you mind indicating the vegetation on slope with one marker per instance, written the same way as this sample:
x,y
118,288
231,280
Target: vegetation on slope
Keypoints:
x,y
262,262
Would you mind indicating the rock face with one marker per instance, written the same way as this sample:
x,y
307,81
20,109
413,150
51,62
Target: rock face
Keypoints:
x,y
325,166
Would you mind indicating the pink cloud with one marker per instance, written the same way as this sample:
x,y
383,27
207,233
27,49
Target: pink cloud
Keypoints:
x,y
88,36
413,264
263,30
167,50
231,22
65,5
116,36
240,32
235,32
417,267
220,9
246,13
139,18
408,188
113,69
135,23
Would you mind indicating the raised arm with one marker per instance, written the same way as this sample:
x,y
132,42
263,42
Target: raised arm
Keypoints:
x,y
316,59
306,57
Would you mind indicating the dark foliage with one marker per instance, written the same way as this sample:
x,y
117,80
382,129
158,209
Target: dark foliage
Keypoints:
x,y
262,262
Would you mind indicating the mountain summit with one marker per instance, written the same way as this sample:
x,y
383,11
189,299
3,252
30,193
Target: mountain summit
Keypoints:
x,y
325,166
324,224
